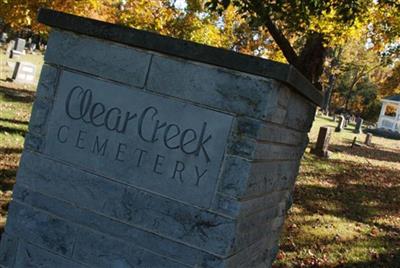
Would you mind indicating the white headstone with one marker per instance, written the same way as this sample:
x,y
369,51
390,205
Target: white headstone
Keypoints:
x,y
20,44
24,72
3,37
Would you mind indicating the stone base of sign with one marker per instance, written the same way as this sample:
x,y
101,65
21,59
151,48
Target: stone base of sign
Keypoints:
x,y
82,199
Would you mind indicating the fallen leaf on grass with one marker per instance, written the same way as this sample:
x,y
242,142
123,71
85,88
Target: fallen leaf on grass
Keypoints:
x,y
374,232
281,255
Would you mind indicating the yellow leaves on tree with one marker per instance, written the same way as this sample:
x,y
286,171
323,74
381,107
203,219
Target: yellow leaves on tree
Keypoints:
x,y
190,22
21,13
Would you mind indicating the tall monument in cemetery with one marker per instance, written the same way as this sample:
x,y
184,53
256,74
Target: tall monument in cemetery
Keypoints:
x,y
148,151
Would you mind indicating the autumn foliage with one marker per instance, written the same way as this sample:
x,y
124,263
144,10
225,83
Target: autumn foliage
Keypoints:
x,y
348,49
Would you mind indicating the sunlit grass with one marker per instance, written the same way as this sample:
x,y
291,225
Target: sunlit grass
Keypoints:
x,y
346,209
14,117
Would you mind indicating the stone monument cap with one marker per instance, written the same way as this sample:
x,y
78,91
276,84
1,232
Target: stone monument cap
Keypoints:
x,y
184,49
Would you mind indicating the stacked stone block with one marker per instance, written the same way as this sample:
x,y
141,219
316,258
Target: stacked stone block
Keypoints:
x,y
66,215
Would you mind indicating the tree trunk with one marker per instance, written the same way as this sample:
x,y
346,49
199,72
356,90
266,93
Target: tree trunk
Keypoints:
x,y
334,54
281,41
311,59
328,93
347,102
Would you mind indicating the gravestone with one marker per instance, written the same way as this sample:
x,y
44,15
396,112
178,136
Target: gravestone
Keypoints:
x,y
10,47
4,38
368,139
359,122
352,119
148,151
354,142
24,72
321,147
32,47
340,124
345,122
19,48
20,44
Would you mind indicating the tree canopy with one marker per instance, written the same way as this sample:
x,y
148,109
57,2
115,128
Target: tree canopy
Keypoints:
x,y
350,49
304,30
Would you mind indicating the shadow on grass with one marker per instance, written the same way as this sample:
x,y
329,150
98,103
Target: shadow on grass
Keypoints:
x,y
368,152
4,150
382,260
14,121
352,201
353,193
7,178
18,95
12,130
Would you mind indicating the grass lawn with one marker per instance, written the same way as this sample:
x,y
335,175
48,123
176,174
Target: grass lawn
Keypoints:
x,y
15,108
15,111
346,210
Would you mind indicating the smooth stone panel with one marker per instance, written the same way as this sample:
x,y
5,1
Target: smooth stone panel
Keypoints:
x,y
101,58
162,145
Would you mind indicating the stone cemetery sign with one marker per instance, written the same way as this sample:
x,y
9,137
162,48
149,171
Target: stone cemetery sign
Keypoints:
x,y
147,151
166,146
24,72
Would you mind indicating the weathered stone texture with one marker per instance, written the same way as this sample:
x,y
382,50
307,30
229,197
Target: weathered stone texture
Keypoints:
x,y
76,208
101,58
233,92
